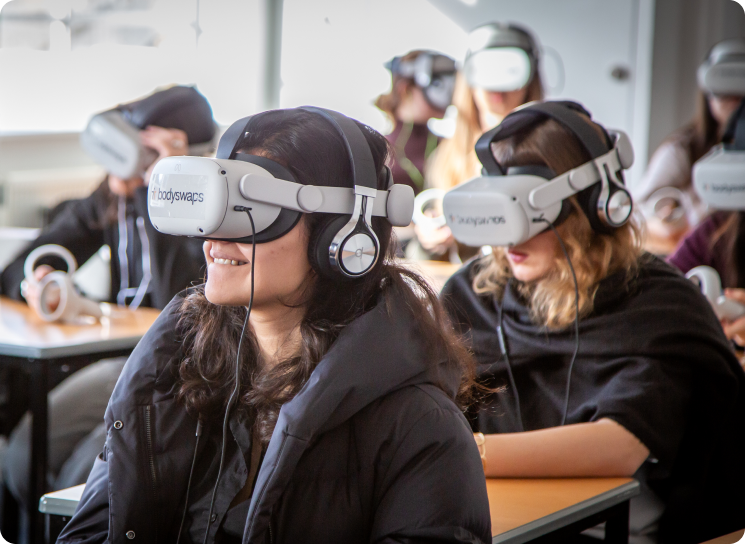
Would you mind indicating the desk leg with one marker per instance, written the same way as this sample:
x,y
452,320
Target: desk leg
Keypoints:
x,y
617,525
38,385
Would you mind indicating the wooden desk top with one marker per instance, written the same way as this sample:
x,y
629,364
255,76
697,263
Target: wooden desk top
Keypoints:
x,y
435,272
524,509
24,334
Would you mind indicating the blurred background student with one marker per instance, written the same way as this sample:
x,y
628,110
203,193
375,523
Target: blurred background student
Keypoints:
x,y
719,242
665,194
422,84
147,269
500,73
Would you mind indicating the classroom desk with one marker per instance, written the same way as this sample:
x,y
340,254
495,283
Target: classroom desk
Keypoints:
x,y
548,510
535,510
34,346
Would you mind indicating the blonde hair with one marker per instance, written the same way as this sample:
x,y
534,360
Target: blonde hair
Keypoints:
x,y
594,256
454,161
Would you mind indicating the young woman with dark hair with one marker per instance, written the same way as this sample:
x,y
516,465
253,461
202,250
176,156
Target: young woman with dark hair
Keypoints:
x,y
346,428
642,384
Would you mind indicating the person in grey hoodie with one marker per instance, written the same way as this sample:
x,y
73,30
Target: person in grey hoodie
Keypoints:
x,y
346,427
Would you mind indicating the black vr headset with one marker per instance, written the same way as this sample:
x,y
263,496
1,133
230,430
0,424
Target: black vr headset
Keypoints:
x,y
206,198
112,138
508,206
432,72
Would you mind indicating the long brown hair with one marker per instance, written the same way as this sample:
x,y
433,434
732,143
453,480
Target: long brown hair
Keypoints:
x,y
700,134
593,255
315,154
454,161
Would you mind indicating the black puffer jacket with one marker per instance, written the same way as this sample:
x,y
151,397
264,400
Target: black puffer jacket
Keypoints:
x,y
370,450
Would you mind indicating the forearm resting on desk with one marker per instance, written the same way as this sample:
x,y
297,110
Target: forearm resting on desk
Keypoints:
x,y
600,448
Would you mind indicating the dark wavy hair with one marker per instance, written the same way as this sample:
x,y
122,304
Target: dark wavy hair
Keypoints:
x,y
309,147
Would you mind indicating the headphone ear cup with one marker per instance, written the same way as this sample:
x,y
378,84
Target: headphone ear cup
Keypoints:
x,y
319,248
588,201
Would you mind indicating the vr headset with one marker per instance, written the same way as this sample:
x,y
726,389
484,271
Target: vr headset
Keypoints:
x,y
112,138
723,72
432,72
506,207
206,198
719,176
501,57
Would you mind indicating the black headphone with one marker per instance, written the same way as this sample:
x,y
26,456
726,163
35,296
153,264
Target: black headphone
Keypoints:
x,y
347,246
607,204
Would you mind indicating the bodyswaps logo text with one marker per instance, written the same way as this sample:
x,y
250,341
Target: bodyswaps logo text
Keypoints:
x,y
177,196
476,220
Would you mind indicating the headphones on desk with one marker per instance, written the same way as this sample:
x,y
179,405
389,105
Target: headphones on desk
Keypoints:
x,y
508,206
206,198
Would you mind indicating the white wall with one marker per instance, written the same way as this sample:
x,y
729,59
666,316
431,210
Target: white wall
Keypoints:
x,y
684,32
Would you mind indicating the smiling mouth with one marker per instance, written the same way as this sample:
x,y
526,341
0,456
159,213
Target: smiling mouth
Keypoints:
x,y
228,261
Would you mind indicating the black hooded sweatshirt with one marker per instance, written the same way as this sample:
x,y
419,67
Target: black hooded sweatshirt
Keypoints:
x,y
653,358
370,450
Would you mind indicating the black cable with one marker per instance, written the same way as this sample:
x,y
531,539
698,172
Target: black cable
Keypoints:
x,y
576,315
236,389
191,473
503,347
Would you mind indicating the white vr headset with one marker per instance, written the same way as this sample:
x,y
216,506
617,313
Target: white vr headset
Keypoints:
x,y
723,72
500,58
509,207
206,197
432,72
112,138
719,176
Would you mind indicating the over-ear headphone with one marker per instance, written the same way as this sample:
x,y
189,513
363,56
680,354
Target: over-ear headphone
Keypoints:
x,y
606,204
509,206
198,196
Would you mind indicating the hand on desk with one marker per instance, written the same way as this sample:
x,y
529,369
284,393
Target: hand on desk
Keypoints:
x,y
30,291
735,330
435,240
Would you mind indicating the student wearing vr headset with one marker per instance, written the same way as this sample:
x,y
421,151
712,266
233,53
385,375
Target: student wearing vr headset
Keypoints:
x,y
332,417
147,268
500,73
719,241
421,89
606,361
668,200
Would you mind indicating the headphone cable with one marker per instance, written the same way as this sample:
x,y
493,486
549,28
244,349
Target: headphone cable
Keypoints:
x,y
576,316
236,389
503,347
191,473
